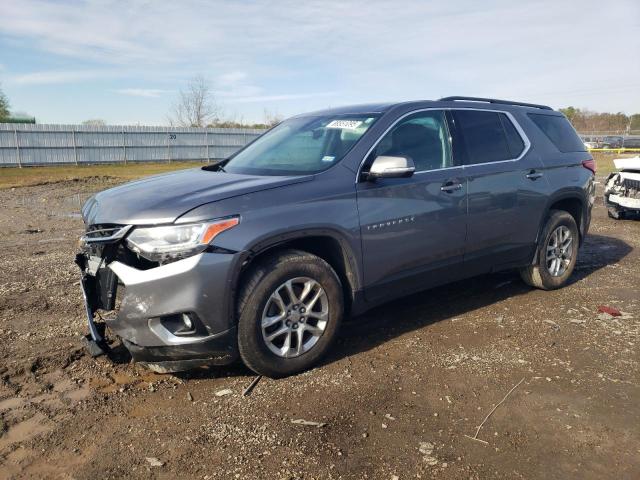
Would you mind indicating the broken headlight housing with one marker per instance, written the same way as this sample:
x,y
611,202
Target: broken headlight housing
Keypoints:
x,y
172,242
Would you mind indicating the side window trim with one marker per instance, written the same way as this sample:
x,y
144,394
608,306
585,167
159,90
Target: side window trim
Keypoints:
x,y
393,125
447,111
458,150
516,125
506,135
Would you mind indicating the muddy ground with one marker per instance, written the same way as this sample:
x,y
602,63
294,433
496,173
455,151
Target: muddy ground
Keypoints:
x,y
401,393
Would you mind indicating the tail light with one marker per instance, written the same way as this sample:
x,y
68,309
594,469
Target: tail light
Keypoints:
x,y
590,165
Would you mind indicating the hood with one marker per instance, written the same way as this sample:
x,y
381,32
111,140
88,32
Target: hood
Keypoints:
x,y
164,198
628,163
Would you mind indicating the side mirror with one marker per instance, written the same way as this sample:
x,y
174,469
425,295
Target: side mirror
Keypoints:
x,y
391,167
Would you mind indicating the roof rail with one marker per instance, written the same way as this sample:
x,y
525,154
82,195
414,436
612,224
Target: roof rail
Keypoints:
x,y
493,100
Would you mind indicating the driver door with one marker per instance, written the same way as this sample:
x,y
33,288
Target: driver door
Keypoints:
x,y
413,229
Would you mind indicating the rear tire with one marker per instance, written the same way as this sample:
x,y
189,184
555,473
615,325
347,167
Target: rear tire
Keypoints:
x,y
556,255
277,296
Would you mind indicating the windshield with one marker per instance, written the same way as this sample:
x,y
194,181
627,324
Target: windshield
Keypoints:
x,y
301,145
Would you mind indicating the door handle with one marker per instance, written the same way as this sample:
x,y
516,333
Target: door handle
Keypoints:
x,y
533,175
451,187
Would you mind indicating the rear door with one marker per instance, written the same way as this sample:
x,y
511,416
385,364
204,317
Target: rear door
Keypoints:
x,y
413,229
506,189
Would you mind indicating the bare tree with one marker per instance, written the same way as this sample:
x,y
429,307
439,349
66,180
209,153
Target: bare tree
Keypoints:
x,y
96,122
271,119
195,106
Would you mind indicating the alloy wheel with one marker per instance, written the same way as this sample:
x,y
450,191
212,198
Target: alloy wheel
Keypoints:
x,y
295,317
559,251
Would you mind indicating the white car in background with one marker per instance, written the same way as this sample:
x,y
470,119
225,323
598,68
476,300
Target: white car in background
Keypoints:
x,y
622,188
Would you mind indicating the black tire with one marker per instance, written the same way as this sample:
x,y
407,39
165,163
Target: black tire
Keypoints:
x,y
538,275
258,286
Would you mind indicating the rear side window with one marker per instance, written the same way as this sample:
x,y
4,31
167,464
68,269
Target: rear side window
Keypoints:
x,y
484,136
559,131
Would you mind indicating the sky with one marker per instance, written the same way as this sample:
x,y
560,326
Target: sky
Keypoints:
x,y
67,61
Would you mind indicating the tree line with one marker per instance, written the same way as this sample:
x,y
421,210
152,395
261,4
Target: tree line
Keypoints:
x,y
196,106
586,121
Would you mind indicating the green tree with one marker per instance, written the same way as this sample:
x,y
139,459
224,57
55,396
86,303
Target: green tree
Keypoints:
x,y
587,121
571,113
4,106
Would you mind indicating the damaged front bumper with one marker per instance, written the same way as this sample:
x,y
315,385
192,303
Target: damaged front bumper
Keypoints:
x,y
622,189
170,317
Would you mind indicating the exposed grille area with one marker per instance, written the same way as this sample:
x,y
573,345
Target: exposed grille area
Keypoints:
x,y
105,230
631,184
96,243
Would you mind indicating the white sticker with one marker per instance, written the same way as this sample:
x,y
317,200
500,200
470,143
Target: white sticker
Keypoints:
x,y
328,158
345,124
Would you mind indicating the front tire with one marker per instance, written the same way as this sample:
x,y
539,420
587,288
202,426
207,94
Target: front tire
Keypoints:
x,y
557,253
289,310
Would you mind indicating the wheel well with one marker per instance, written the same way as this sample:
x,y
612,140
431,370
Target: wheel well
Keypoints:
x,y
574,207
323,246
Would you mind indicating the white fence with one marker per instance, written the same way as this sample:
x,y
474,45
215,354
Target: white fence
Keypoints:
x,y
29,145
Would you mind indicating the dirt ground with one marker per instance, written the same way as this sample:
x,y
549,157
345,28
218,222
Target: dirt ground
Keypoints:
x,y
402,391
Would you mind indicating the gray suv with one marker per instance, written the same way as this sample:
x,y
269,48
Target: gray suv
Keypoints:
x,y
328,214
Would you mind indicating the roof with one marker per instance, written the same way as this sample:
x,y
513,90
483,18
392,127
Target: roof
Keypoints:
x,y
447,102
353,109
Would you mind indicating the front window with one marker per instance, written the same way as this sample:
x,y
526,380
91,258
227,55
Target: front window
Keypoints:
x,y
423,137
302,145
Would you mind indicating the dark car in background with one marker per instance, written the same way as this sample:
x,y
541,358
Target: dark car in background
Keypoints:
x,y
326,215
612,141
631,142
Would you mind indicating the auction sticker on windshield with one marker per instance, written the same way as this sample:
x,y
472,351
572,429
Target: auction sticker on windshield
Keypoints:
x,y
344,124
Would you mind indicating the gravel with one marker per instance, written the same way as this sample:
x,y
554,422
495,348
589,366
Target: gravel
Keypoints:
x,y
428,367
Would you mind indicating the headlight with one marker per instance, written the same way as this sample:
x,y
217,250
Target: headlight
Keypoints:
x,y
173,242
